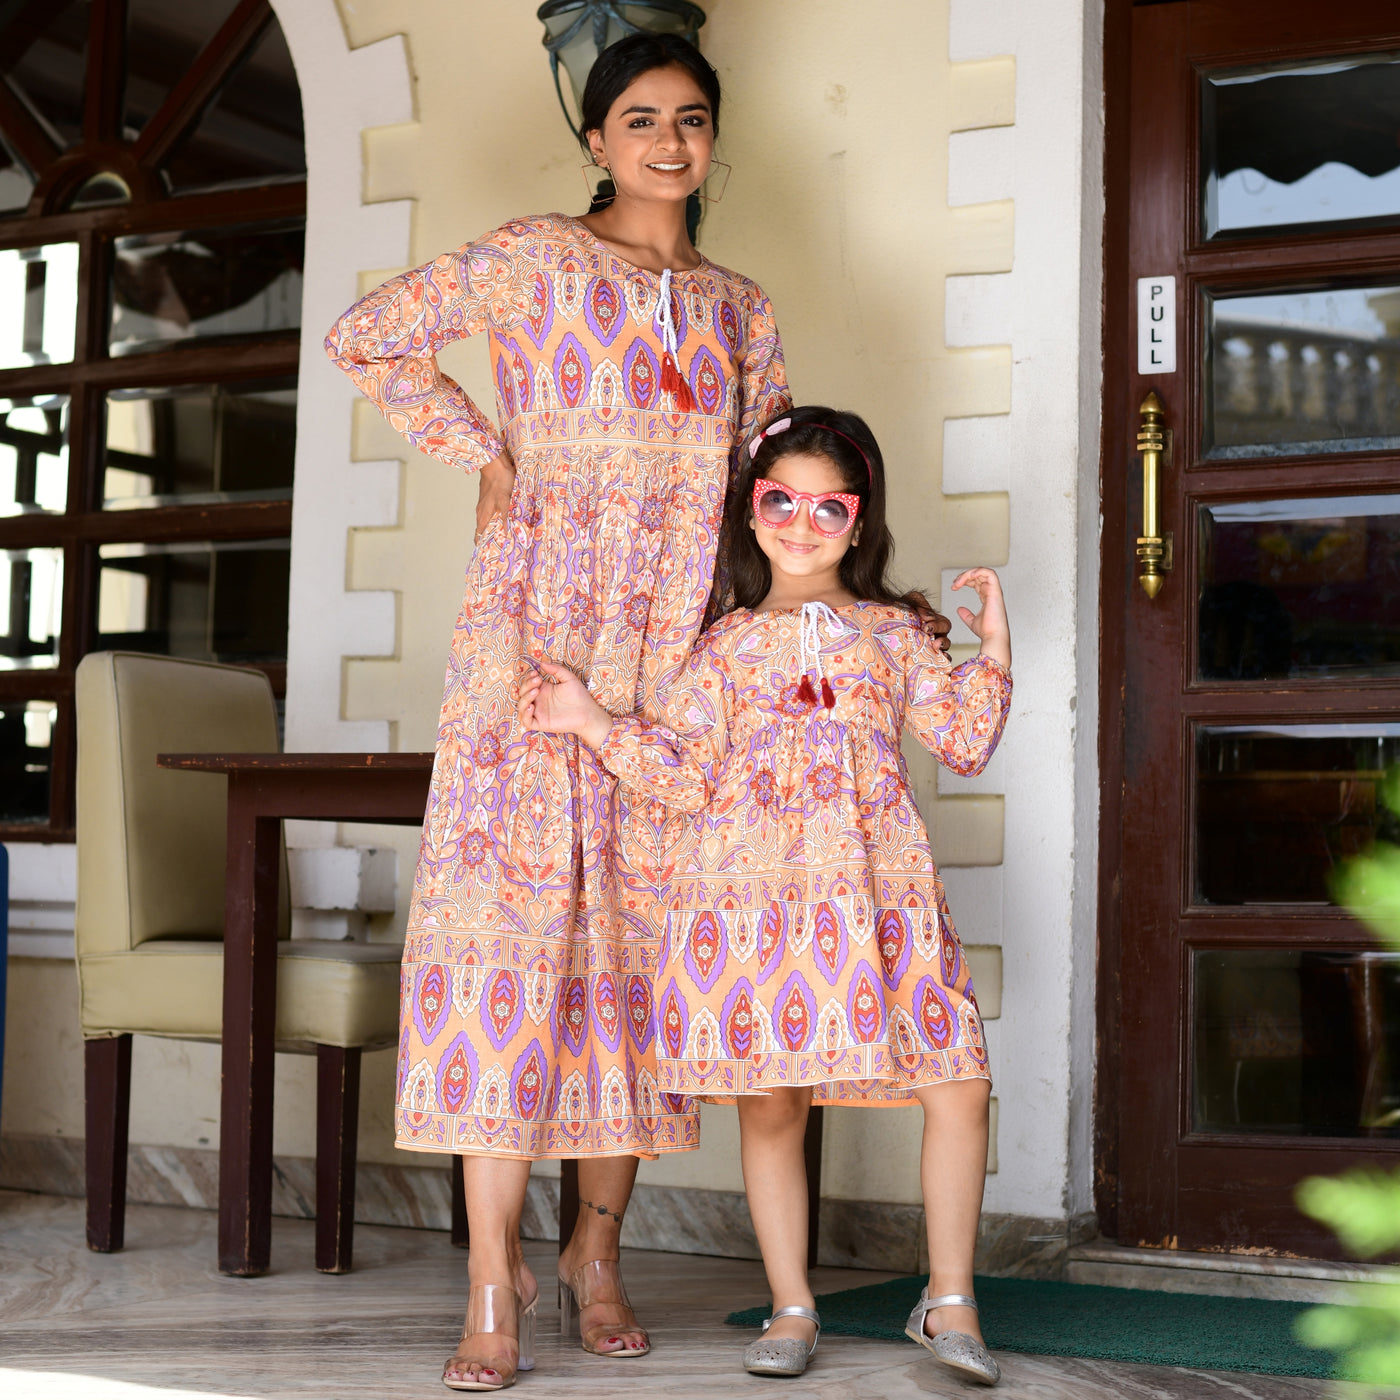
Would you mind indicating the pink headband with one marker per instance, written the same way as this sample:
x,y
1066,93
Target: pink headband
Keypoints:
x,y
781,425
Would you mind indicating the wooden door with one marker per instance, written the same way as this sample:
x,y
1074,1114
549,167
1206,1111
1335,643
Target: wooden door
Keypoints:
x,y
1250,1031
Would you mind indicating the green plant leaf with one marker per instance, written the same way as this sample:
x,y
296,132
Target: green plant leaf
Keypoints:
x,y
1361,1206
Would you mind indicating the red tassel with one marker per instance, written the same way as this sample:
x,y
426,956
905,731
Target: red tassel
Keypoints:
x,y
805,691
671,382
828,698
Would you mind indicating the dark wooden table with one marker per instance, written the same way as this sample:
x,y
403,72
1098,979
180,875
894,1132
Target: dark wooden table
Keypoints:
x,y
264,789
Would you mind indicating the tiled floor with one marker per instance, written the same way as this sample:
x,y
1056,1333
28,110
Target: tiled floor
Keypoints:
x,y
157,1322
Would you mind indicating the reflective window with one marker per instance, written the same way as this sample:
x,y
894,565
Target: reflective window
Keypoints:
x,y
172,287
163,37
1296,1041
1304,144
33,455
199,444
45,57
38,304
1279,806
1295,372
1302,588
31,608
252,132
225,601
16,181
100,191
26,741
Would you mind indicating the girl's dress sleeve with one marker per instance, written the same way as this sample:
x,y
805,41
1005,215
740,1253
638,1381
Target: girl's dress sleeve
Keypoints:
x,y
677,762
388,342
957,712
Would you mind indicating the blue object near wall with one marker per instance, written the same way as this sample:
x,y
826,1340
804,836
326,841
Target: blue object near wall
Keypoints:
x,y
4,959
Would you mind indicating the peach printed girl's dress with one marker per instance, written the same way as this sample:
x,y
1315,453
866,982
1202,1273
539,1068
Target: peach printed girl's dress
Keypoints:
x,y
809,940
526,1024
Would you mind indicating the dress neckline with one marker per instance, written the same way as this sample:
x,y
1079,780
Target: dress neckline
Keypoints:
x,y
627,262
840,608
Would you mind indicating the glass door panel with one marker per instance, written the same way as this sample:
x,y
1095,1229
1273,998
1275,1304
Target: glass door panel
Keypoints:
x,y
1300,1042
1304,144
1294,372
1279,806
1299,589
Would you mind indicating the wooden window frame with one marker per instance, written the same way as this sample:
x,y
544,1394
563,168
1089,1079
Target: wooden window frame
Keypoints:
x,y
84,526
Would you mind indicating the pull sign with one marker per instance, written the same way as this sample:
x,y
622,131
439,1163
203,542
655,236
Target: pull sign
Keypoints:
x,y
1156,325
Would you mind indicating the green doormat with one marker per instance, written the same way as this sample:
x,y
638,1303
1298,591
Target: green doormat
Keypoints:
x,y
1080,1319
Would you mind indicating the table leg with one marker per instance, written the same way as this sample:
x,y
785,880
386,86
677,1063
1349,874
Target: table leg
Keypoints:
x,y
812,1162
337,1133
250,1017
461,1232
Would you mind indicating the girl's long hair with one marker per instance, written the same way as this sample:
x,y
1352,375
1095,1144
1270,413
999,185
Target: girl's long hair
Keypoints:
x,y
865,566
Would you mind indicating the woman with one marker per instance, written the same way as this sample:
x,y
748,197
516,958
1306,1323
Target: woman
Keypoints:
x,y
627,366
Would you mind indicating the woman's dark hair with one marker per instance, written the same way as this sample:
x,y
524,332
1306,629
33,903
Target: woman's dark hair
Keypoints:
x,y
865,566
622,63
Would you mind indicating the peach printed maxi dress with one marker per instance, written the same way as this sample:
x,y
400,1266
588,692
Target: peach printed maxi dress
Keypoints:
x,y
809,939
526,1022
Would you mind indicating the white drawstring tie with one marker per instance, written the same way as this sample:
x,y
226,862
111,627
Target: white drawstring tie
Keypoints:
x,y
809,638
672,380
665,316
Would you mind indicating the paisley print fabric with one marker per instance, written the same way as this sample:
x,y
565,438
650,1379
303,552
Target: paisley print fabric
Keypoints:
x,y
533,938
809,940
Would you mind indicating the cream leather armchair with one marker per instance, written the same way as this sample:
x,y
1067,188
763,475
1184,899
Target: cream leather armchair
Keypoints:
x,y
150,913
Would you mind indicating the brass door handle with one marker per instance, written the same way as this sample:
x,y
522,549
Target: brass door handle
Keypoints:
x,y
1154,549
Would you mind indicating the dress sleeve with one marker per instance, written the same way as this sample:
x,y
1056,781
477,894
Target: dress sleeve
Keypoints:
x,y
388,342
957,712
763,392
677,762
763,385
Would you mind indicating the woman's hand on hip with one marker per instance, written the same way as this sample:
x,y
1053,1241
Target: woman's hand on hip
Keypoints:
x,y
497,478
552,700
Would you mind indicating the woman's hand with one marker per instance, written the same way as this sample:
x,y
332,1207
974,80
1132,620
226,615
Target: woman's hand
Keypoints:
x,y
553,700
938,627
989,624
493,495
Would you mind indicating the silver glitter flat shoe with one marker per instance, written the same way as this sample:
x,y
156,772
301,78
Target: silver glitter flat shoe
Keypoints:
x,y
954,1349
782,1356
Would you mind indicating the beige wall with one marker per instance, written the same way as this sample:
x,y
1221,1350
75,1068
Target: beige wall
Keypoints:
x,y
837,129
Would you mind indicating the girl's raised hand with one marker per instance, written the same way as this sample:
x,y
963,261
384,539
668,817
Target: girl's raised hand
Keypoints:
x,y
989,624
553,700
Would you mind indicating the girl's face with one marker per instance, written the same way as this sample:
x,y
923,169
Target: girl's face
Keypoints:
x,y
797,552
658,137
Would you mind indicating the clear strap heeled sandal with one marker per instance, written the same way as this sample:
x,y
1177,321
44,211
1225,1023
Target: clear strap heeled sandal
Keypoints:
x,y
493,1309
782,1356
598,1284
958,1350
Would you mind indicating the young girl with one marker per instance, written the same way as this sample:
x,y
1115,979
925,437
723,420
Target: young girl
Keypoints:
x,y
809,954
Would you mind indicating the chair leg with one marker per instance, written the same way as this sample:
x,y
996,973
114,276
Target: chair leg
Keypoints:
x,y
812,1159
461,1236
107,1109
337,1131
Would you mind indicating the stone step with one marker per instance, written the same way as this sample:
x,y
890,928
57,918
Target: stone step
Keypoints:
x,y
1225,1275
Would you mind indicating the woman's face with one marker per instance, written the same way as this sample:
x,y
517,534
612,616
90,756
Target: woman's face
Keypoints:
x,y
658,138
796,550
